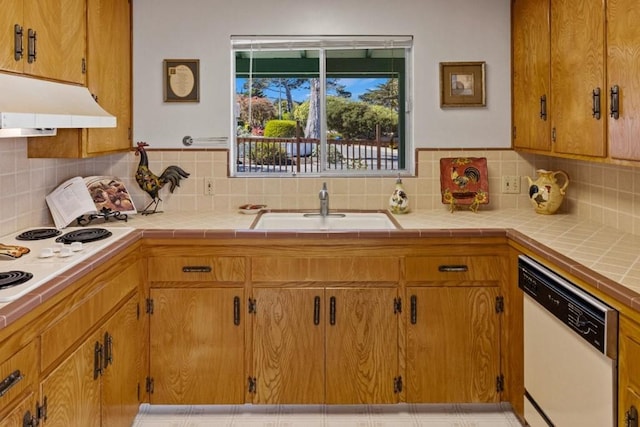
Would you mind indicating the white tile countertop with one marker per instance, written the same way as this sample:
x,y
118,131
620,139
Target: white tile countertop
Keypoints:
x,y
605,250
606,258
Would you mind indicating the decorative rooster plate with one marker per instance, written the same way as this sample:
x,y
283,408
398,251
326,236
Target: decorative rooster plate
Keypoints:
x,y
464,182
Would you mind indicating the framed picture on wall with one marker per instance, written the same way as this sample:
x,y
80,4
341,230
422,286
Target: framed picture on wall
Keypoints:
x,y
181,80
462,84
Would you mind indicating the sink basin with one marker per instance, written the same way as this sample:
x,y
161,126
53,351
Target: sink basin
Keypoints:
x,y
334,221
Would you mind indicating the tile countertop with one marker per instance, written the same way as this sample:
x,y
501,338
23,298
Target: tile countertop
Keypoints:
x,y
611,257
602,256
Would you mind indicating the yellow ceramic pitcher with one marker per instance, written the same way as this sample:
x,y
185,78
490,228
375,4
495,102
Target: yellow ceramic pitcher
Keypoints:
x,y
545,193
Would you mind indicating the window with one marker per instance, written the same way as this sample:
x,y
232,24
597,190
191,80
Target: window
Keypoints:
x,y
321,105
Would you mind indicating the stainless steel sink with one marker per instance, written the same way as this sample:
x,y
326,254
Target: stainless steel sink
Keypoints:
x,y
342,220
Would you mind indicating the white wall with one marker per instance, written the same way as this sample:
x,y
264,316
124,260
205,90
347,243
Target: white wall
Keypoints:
x,y
443,30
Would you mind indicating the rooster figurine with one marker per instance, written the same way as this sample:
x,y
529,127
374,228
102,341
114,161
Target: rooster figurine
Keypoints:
x,y
151,183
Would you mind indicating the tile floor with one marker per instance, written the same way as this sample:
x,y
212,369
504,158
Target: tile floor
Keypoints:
x,y
401,415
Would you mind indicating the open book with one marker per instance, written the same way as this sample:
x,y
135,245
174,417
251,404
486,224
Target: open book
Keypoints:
x,y
84,196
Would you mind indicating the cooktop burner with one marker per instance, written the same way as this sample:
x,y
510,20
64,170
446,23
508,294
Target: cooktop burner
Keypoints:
x,y
13,278
85,235
38,234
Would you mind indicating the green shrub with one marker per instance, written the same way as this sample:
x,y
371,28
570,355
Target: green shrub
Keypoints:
x,y
268,153
280,129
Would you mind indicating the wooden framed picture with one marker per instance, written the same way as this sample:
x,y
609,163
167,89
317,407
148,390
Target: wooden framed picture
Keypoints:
x,y
462,84
181,80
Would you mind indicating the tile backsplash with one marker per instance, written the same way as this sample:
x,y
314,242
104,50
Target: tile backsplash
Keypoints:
x,y
604,193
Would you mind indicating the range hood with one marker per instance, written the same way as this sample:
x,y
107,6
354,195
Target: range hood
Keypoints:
x,y
33,107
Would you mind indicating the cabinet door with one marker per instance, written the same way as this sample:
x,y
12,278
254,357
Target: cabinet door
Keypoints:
x,y
72,390
122,366
10,16
24,409
453,345
628,369
60,27
288,345
109,72
361,346
531,70
577,69
623,70
197,346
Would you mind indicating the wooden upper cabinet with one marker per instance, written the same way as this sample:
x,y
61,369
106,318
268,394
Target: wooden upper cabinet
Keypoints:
x,y
10,17
577,71
623,71
531,70
109,81
54,29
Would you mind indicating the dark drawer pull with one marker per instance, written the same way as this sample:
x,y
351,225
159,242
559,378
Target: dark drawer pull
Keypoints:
x,y
453,268
332,311
414,309
316,310
236,311
196,269
13,379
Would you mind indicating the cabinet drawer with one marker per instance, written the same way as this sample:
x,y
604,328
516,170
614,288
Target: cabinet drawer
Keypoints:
x,y
311,269
84,316
455,268
18,373
197,269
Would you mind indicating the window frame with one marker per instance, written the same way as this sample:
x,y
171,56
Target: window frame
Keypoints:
x,y
331,68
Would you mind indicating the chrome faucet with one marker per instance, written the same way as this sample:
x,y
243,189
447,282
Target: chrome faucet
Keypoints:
x,y
324,200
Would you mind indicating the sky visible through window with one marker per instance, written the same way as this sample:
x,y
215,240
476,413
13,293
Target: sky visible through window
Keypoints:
x,y
356,86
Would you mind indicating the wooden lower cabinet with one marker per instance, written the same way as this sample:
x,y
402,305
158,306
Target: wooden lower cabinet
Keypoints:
x,y
288,345
97,384
197,346
20,412
453,344
629,373
325,345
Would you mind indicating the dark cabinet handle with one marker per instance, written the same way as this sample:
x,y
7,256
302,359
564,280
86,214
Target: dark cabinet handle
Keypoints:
x,y
196,269
14,378
631,417
316,311
453,268
236,311
108,350
18,50
31,46
615,102
596,104
414,309
543,107
332,310
97,360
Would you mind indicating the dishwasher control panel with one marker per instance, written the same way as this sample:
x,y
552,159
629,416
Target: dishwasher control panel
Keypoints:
x,y
587,316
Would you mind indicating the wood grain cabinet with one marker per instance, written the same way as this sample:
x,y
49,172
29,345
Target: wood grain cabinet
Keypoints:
x,y
576,100
328,320
97,384
629,373
108,72
197,313
531,74
454,329
18,384
325,345
44,39
197,345
623,75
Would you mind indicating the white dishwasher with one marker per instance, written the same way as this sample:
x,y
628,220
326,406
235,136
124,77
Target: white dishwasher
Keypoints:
x,y
570,352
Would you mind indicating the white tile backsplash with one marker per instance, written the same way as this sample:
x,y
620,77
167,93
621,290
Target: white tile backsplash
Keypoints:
x,y
604,193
